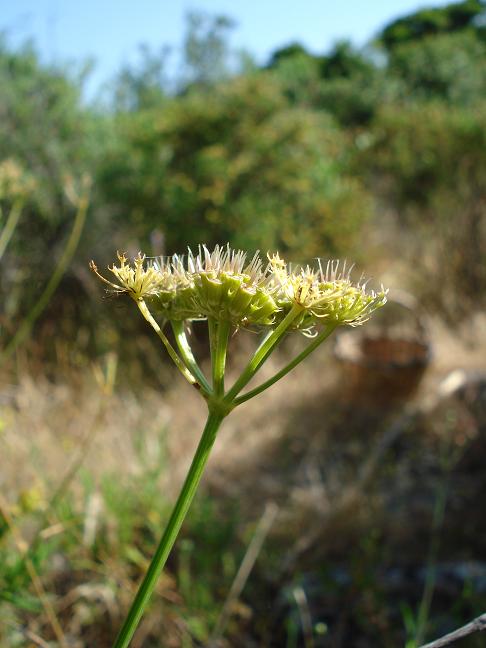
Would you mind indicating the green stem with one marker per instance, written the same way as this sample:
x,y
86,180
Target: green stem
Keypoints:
x,y
219,361
188,356
10,225
283,372
213,340
24,329
170,534
142,306
262,353
431,567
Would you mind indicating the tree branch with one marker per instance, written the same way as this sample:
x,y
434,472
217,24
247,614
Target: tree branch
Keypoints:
x,y
476,625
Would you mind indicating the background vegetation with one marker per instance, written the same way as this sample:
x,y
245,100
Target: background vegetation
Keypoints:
x,y
377,155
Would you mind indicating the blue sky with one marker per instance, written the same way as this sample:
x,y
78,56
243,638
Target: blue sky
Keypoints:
x,y
109,31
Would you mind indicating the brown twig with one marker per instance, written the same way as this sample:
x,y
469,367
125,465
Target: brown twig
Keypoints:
x,y
28,634
476,625
39,641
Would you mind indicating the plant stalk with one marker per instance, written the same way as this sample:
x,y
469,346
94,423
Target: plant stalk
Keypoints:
x,y
213,341
219,360
188,356
262,353
23,331
285,370
142,306
10,225
170,534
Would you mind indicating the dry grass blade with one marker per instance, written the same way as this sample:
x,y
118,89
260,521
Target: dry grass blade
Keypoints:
x,y
38,641
243,573
305,616
10,225
106,381
36,581
23,331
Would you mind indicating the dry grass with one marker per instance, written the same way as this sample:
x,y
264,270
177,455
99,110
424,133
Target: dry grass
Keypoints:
x,y
43,421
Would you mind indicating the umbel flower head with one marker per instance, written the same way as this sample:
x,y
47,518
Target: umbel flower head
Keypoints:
x,y
324,295
137,281
222,285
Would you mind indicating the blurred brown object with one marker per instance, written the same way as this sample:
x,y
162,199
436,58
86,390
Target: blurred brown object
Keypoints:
x,y
384,362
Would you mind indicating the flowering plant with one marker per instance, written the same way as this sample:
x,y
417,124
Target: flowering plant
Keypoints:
x,y
231,293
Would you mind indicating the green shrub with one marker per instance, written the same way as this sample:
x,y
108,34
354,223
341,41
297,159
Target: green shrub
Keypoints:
x,y
45,129
450,67
237,164
429,164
